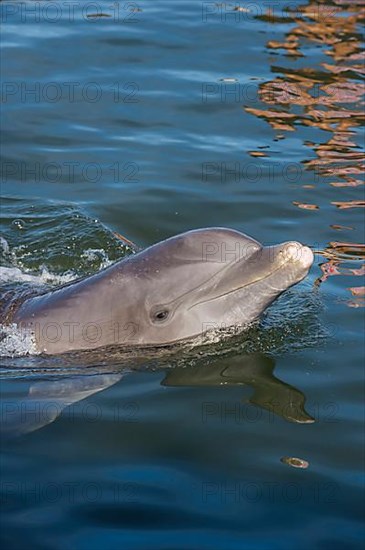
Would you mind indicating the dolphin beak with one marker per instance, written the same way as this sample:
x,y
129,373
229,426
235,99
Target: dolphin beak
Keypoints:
x,y
296,252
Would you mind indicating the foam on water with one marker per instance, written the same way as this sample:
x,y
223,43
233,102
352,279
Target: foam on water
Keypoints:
x,y
93,254
4,246
15,342
16,275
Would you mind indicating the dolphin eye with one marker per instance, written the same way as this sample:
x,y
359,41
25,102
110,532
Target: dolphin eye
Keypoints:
x,y
160,315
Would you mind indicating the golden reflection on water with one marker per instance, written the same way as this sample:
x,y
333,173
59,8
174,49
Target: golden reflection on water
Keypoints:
x,y
330,98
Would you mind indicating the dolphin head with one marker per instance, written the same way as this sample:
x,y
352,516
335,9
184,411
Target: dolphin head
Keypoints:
x,y
205,279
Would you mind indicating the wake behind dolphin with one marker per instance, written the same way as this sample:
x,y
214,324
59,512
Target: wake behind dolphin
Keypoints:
x,y
175,290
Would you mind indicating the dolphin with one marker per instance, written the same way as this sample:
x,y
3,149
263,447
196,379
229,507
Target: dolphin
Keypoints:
x,y
173,291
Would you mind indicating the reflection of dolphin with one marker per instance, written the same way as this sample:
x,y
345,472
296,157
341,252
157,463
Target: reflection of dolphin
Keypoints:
x,y
175,290
252,370
46,400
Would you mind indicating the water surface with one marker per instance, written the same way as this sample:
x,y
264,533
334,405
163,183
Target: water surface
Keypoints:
x,y
148,119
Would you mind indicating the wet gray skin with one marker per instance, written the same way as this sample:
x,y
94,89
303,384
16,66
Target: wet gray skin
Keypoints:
x,y
174,290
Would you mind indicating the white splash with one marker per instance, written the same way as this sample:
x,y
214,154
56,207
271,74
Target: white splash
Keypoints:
x,y
4,246
94,254
15,342
16,275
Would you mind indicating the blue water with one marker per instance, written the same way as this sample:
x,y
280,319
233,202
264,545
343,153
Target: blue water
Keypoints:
x,y
149,119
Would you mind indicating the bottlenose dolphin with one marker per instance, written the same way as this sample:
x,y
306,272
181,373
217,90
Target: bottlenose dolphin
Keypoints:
x,y
173,291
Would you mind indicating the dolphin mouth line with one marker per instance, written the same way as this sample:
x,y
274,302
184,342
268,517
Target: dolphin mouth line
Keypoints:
x,y
243,286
